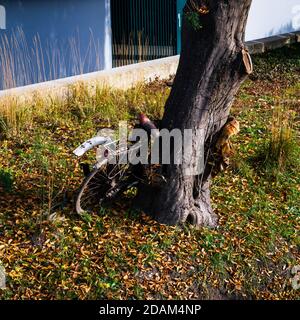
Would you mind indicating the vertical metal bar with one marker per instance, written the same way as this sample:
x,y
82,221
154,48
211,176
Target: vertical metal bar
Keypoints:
x,y
155,20
180,6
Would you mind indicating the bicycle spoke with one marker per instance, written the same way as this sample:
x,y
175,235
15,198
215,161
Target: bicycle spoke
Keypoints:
x,y
104,183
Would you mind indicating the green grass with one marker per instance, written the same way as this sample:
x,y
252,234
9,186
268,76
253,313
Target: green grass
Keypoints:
x,y
6,179
49,253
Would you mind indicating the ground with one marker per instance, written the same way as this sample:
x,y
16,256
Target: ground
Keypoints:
x,y
50,253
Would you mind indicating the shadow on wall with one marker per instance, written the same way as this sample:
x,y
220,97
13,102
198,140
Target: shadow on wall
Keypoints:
x,y
285,28
24,62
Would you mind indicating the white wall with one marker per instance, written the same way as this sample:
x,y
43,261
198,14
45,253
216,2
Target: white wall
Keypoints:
x,y
271,17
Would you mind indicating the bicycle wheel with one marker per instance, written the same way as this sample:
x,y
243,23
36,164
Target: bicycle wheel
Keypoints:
x,y
101,185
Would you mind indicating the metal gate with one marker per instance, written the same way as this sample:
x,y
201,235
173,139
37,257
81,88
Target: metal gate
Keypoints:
x,y
143,30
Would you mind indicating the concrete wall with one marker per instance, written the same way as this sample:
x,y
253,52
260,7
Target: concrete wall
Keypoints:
x,y
128,76
118,78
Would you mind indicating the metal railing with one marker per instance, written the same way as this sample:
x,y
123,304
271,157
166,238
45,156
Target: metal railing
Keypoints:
x,y
143,30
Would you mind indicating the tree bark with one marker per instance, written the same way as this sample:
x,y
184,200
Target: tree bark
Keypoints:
x,y
210,72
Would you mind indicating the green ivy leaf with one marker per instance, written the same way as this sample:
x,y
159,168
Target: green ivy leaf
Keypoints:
x,y
193,19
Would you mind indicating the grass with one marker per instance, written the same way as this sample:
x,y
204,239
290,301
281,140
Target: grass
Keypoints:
x,y
25,61
280,150
49,253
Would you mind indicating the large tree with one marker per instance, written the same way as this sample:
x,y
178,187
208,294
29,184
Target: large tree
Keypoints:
x,y
213,65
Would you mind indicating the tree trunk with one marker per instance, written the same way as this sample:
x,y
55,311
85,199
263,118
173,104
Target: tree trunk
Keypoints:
x,y
210,72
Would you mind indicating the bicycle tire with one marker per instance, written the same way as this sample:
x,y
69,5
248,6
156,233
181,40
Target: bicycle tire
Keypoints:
x,y
97,189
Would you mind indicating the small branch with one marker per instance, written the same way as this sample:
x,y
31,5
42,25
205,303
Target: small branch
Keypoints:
x,y
247,61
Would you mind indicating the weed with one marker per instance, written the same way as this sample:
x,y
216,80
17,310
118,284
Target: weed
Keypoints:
x,y
280,150
6,179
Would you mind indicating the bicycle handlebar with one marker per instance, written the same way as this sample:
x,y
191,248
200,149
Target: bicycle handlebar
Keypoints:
x,y
90,144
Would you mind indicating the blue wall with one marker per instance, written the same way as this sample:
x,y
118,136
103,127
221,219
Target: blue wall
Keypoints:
x,y
50,39
63,38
